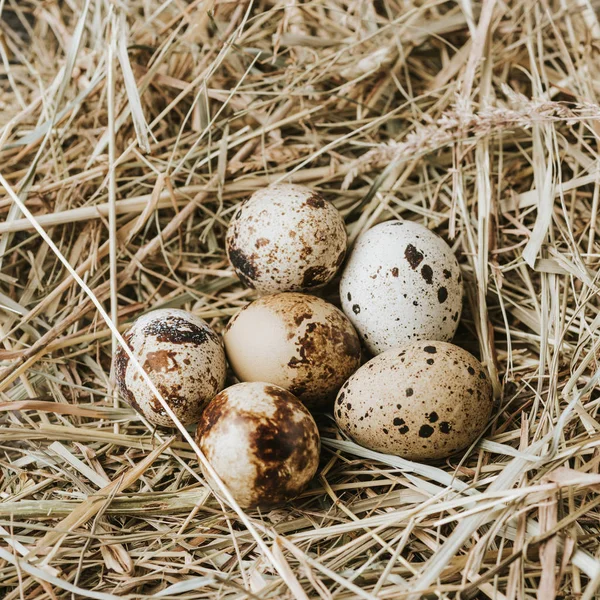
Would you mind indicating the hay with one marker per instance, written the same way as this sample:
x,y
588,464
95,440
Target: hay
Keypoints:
x,y
131,131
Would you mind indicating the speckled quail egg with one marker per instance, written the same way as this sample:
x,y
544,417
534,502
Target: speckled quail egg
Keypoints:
x,y
295,341
184,358
401,283
286,238
262,442
425,400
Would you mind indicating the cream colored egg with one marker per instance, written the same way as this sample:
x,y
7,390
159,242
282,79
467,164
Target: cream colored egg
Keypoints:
x,y
286,238
262,442
298,342
401,283
425,400
184,358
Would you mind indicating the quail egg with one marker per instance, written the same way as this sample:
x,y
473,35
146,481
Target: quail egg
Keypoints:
x,y
286,238
401,283
425,400
183,357
296,341
261,441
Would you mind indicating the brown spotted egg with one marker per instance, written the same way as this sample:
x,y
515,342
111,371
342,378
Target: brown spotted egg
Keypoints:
x,y
425,400
401,283
184,358
262,442
286,238
296,341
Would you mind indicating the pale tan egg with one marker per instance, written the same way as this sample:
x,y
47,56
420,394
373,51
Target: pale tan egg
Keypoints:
x,y
424,400
286,237
296,341
261,441
183,357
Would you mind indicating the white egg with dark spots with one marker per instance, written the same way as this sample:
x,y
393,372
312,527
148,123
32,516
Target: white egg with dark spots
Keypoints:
x,y
425,400
401,282
286,238
295,341
183,357
261,441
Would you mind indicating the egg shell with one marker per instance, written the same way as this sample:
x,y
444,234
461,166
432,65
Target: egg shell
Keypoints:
x,y
286,237
296,341
423,401
184,358
402,282
262,442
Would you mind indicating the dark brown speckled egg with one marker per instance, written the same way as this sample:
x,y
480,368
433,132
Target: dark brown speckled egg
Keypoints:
x,y
262,442
296,341
286,237
401,283
424,400
184,358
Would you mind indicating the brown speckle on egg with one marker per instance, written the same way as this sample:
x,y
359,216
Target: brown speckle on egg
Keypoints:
x,y
413,256
182,356
298,342
427,274
262,442
316,201
315,277
244,265
430,408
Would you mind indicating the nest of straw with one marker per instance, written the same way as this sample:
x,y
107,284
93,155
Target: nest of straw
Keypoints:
x,y
131,130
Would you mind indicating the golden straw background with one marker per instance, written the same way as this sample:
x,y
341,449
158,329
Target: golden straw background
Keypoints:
x,y
132,129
